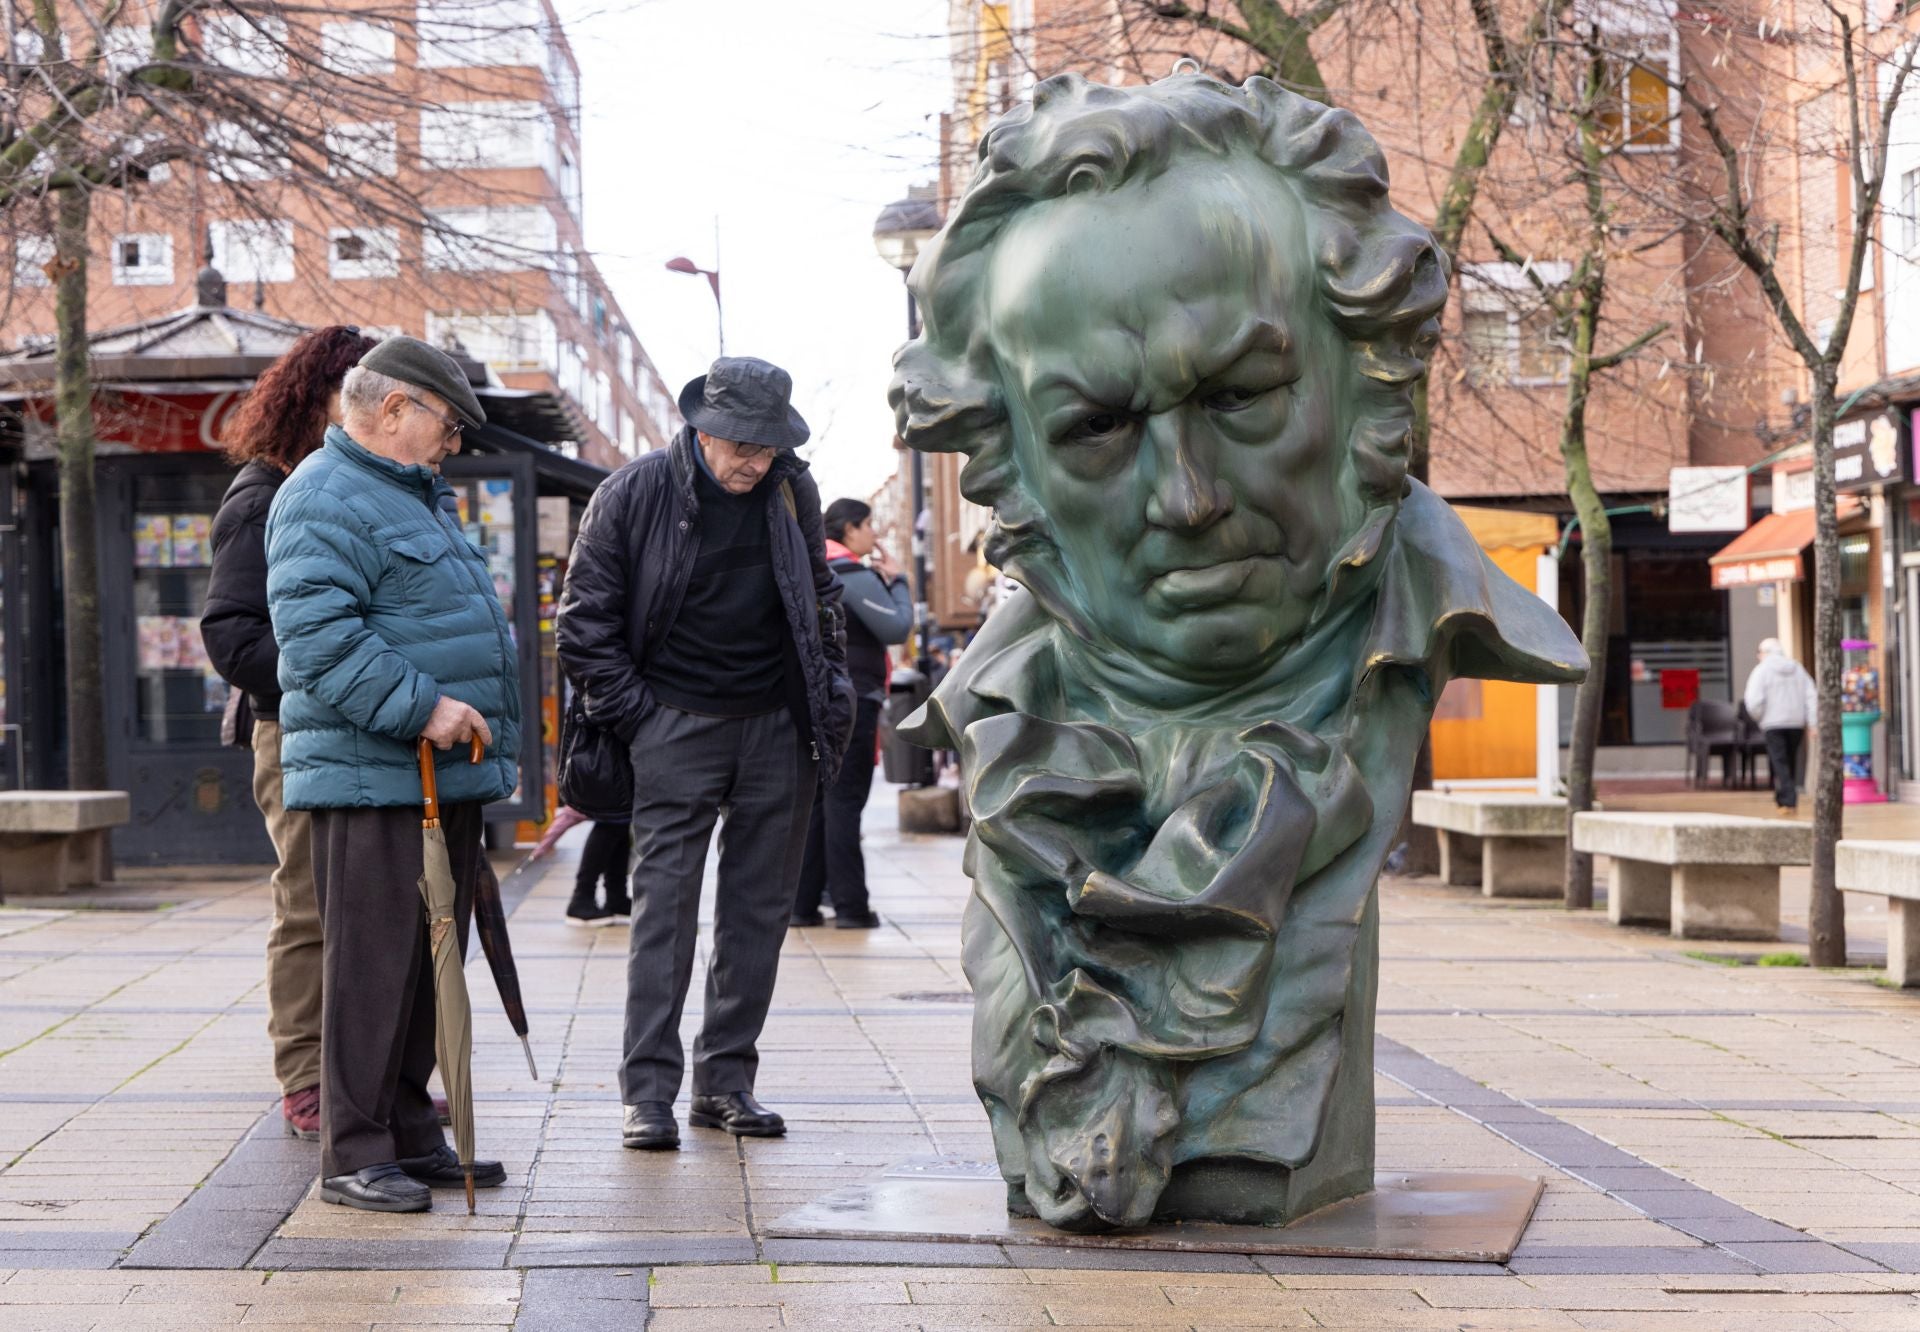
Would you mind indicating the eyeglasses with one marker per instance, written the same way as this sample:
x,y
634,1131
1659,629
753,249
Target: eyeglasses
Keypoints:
x,y
451,426
748,452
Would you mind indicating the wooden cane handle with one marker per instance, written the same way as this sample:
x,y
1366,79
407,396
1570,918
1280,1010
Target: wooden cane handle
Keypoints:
x,y
429,781
479,751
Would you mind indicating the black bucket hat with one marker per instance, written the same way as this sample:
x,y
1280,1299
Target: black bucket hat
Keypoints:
x,y
746,400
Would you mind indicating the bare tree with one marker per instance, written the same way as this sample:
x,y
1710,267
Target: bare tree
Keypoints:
x,y
1774,94
1583,122
276,116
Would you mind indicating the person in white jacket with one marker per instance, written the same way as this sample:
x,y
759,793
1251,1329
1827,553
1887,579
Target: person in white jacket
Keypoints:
x,y
1780,697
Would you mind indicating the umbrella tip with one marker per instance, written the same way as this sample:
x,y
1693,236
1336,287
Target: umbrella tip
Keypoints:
x,y
469,1190
532,1071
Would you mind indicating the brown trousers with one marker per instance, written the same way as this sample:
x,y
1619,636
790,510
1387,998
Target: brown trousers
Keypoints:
x,y
293,943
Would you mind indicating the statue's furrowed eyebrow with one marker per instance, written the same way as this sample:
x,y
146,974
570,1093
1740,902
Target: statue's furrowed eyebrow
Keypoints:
x,y
1258,334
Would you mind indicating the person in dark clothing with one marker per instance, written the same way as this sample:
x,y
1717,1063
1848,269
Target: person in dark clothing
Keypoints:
x,y
603,861
701,625
879,608
281,421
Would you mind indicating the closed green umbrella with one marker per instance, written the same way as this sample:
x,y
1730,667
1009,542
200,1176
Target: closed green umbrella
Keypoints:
x,y
452,1009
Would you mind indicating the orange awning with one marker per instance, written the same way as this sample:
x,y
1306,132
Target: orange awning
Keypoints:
x,y
1772,550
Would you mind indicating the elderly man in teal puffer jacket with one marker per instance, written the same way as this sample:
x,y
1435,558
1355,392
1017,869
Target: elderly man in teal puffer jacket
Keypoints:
x,y
389,632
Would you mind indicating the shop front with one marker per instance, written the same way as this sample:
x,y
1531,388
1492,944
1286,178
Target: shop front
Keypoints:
x,y
1775,560
162,391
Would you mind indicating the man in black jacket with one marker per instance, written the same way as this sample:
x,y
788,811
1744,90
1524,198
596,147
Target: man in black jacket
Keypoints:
x,y
700,624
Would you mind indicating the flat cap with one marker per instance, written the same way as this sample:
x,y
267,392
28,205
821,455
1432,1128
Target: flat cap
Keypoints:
x,y
424,365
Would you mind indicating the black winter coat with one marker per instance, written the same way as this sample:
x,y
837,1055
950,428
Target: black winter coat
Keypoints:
x,y
236,628
629,571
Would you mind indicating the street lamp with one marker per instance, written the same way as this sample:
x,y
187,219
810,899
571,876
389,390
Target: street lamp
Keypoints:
x,y
681,264
898,233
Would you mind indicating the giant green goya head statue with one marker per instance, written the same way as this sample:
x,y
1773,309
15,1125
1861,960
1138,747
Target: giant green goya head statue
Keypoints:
x,y
1175,329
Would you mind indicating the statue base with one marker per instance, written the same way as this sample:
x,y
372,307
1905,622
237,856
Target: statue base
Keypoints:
x,y
1420,1215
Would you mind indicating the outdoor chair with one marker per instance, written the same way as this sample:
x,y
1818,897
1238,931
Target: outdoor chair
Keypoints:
x,y
1753,747
1713,728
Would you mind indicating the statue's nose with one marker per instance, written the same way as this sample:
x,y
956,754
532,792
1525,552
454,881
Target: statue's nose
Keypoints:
x,y
1188,494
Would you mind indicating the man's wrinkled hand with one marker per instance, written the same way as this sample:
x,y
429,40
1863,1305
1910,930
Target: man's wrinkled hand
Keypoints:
x,y
454,723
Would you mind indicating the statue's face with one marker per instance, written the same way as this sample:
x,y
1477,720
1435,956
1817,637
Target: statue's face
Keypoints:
x,y
1172,389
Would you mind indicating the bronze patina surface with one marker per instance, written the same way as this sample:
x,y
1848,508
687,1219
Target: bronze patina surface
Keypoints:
x,y
1175,330
1427,1215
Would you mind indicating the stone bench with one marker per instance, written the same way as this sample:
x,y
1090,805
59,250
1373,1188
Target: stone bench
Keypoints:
x,y
1507,843
1891,869
51,841
1704,876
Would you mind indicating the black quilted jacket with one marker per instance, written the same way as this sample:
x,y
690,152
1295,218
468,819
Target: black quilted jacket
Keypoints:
x,y
629,571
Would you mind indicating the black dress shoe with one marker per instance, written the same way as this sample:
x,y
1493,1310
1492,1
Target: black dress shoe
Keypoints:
x,y
648,1126
805,920
442,1167
855,920
738,1113
378,1188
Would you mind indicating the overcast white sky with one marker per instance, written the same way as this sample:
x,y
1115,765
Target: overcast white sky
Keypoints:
x,y
794,123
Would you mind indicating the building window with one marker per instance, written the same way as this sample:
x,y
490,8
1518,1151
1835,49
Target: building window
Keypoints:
x,y
457,34
371,148
29,49
143,260
1641,109
487,135
1909,211
252,251
569,181
506,341
236,153
126,48
252,45
1507,328
490,240
353,46
363,252
31,255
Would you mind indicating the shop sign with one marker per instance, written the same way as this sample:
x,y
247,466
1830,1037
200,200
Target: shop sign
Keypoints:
x,y
1866,453
1774,569
552,512
1707,499
1679,689
152,422
1793,488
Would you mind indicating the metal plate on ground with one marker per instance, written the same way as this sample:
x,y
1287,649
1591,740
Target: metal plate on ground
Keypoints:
x,y
1434,1215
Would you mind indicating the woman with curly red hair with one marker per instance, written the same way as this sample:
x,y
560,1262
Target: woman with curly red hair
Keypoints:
x,y
283,420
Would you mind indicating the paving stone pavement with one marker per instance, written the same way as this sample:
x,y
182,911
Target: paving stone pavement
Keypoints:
x,y
1726,1146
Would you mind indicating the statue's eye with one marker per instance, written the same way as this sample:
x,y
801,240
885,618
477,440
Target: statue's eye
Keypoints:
x,y
1098,428
1232,399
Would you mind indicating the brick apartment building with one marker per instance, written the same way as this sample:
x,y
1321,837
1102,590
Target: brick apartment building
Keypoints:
x,y
475,120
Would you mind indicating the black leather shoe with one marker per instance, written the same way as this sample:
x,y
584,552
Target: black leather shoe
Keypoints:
x,y
378,1188
863,920
649,1126
805,920
441,1167
738,1113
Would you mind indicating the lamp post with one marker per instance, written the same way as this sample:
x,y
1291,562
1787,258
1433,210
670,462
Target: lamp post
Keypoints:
x,y
682,264
898,233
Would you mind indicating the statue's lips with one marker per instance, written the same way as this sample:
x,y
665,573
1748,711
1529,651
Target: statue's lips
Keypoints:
x,y
1211,585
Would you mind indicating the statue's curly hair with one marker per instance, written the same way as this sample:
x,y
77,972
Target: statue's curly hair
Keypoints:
x,y
1380,278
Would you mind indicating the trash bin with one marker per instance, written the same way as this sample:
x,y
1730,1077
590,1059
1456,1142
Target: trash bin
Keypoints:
x,y
902,761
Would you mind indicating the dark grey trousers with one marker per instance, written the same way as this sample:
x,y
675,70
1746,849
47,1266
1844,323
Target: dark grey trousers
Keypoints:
x,y
376,992
756,776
